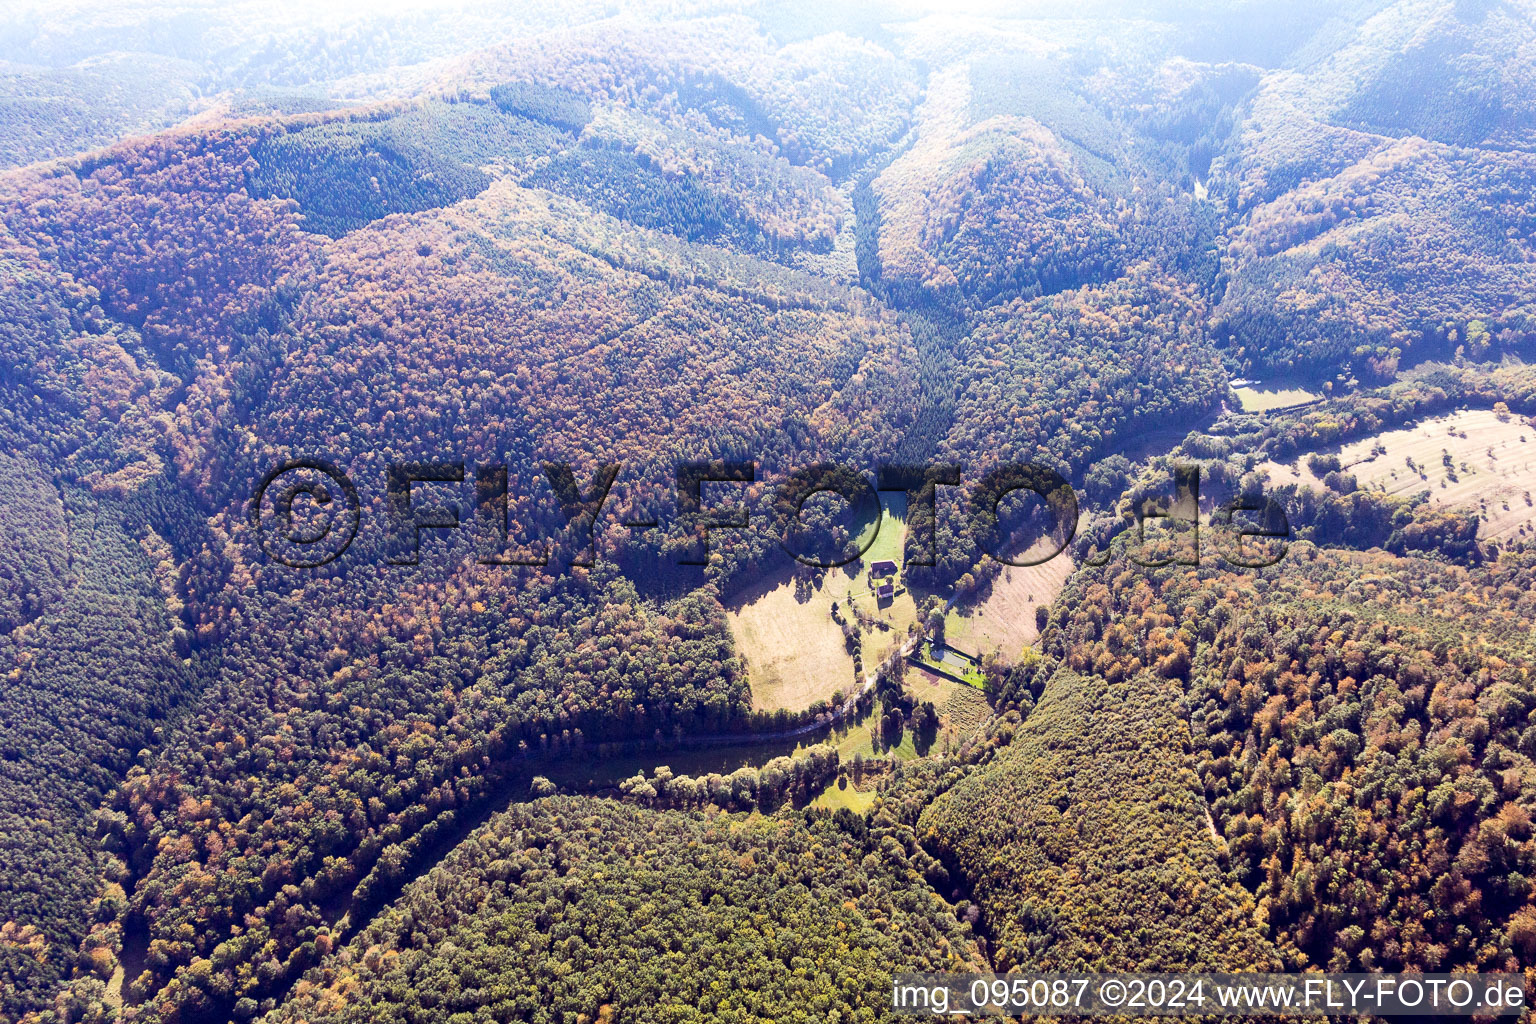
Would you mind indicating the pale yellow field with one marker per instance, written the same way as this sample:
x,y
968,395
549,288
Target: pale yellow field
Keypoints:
x,y
1005,621
794,651
1493,463
844,794
1264,399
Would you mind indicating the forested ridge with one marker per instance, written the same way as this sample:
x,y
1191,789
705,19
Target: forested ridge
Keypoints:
x,y
791,236
798,917
1104,864
1358,724
73,721
227,875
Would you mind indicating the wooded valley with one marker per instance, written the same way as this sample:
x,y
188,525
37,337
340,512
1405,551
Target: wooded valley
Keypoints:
x,y
800,235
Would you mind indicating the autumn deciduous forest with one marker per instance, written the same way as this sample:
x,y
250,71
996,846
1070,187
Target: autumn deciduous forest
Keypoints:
x,y
573,744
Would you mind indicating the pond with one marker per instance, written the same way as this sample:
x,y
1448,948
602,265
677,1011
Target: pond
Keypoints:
x,y
950,658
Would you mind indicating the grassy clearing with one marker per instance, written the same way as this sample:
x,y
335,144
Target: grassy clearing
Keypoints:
x,y
795,652
961,708
896,616
1265,399
1470,459
1004,620
888,543
844,794
860,740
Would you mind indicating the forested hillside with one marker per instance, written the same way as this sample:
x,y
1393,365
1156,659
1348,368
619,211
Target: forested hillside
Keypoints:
x,y
1341,252
559,253
1086,844
1359,725
798,918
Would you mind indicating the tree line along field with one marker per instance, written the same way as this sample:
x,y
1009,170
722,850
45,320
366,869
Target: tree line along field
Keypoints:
x,y
861,747
1477,459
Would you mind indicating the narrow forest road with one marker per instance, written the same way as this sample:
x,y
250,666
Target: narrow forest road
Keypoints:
x,y
871,678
